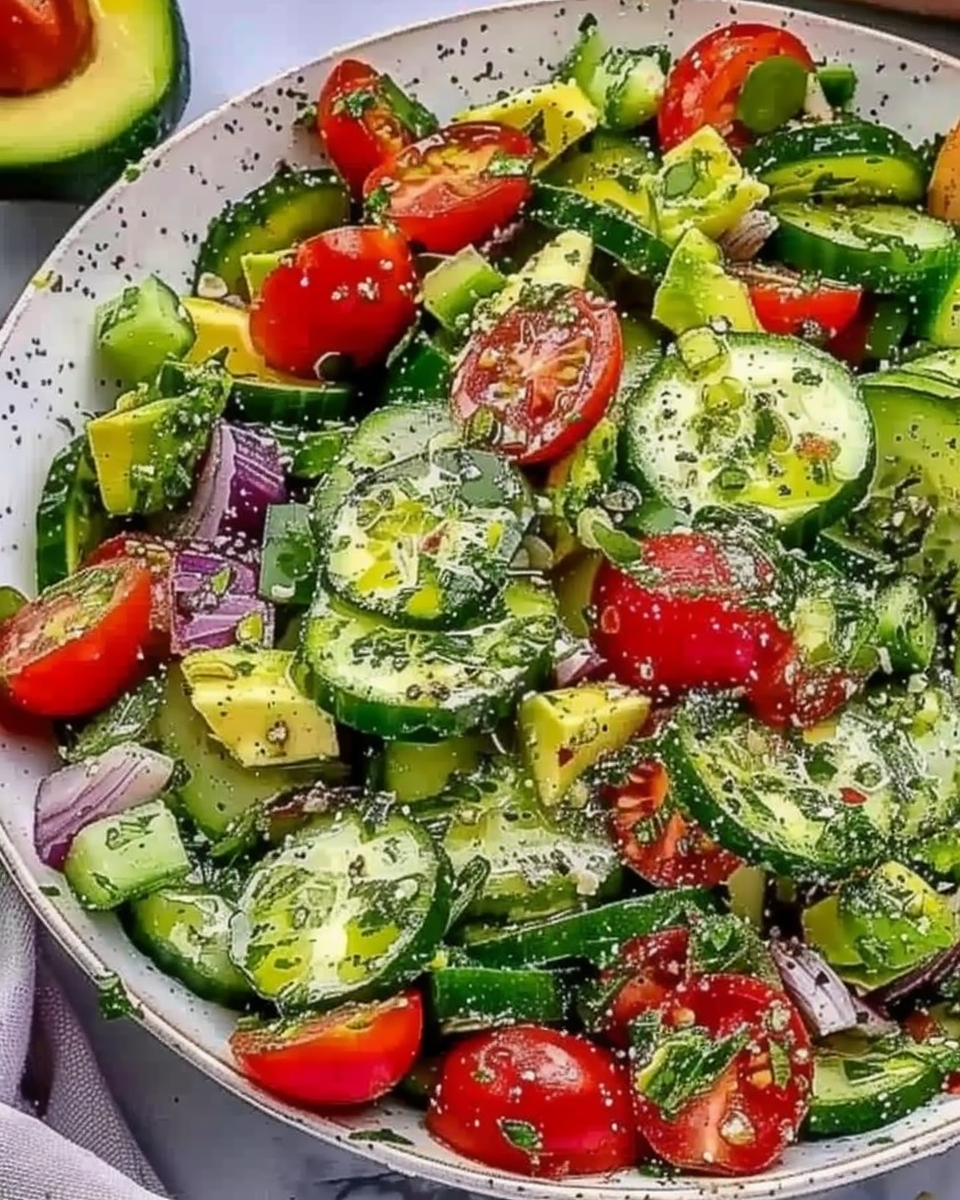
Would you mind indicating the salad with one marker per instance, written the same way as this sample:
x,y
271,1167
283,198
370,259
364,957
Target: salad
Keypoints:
x,y
500,642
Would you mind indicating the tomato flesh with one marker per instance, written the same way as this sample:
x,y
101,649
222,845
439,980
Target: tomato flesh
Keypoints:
x,y
349,291
784,305
357,127
700,623
157,556
350,1056
42,42
545,374
657,841
705,83
535,1101
77,646
455,187
646,972
742,1121
792,692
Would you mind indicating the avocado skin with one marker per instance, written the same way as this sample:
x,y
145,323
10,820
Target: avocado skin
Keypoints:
x,y
81,178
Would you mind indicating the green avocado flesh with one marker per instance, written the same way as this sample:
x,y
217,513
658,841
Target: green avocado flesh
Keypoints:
x,y
71,142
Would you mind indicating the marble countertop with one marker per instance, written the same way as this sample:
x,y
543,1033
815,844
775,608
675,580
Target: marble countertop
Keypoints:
x,y
204,1143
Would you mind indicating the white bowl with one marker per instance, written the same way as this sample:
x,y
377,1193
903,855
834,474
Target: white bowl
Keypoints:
x,y
48,379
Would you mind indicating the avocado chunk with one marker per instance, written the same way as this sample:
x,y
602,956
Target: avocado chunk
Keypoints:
x,y
252,707
146,454
564,732
221,329
72,141
416,771
563,262
573,585
696,290
256,266
701,185
555,115
881,925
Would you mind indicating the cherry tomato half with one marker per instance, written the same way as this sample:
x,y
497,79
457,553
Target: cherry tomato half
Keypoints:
x,y
42,42
80,643
746,1118
349,291
454,187
791,691
785,304
657,841
647,971
535,1101
545,373
357,126
701,622
352,1055
157,556
704,84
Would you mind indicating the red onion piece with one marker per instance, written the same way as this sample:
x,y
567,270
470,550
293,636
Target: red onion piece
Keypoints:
x,y
241,475
820,995
215,601
578,662
924,978
71,798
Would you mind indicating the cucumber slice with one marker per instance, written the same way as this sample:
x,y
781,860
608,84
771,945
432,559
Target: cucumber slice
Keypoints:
x,y
415,771
389,437
537,868
141,328
768,422
428,543
595,935
342,912
883,247
466,999
610,228
778,799
131,718
291,206
307,406
850,162
851,557
214,790
71,520
912,511
186,931
423,685
906,626
452,289
122,857
857,1092
310,453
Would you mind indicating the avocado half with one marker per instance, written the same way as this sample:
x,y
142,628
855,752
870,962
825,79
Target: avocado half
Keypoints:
x,y
73,141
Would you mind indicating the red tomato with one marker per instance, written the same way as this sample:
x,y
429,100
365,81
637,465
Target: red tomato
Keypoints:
x,y
42,42
545,372
922,1026
790,691
784,304
352,1055
704,84
646,972
742,1123
659,843
157,556
700,622
535,1101
455,187
357,126
349,291
79,644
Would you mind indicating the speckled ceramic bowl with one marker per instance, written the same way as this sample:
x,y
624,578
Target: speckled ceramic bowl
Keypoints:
x,y
48,380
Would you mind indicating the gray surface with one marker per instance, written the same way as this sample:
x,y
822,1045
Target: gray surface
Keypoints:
x,y
205,1144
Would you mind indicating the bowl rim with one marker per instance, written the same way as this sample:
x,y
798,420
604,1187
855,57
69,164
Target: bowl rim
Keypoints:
x,y
868,1163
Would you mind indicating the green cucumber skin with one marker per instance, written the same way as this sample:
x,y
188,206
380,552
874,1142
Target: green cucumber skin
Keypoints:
x,y
83,177
620,236
66,488
262,403
862,1114
595,935
848,142
466,999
